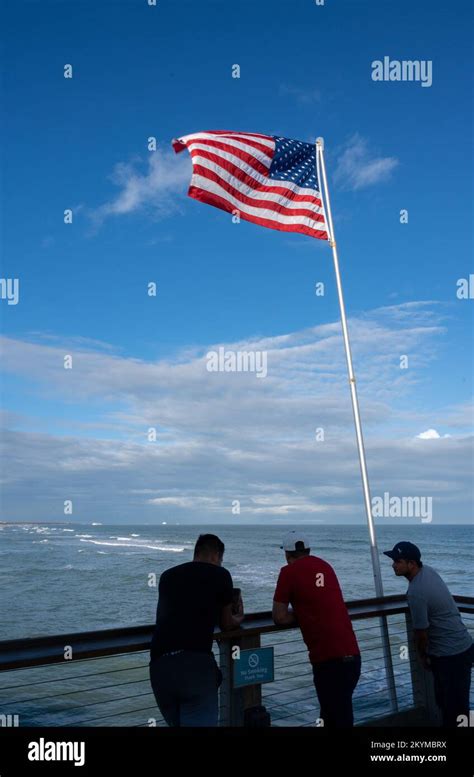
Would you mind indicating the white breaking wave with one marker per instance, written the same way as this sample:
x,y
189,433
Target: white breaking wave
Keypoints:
x,y
170,548
83,535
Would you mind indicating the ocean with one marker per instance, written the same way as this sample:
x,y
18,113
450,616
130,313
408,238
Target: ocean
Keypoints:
x,y
58,578
63,578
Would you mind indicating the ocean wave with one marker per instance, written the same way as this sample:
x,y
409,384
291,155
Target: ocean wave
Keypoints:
x,y
83,535
171,548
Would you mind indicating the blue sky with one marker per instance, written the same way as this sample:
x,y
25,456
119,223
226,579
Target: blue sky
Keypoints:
x,y
139,361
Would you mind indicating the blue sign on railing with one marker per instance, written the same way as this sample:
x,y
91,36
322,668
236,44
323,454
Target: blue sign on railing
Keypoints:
x,y
254,667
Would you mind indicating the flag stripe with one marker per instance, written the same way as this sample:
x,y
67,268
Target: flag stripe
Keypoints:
x,y
277,202
261,154
247,144
265,139
248,184
224,204
264,210
228,150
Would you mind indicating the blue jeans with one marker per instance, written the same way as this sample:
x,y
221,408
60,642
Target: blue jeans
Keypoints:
x,y
185,686
452,681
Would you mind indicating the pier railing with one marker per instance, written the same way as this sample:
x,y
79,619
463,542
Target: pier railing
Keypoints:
x,y
101,678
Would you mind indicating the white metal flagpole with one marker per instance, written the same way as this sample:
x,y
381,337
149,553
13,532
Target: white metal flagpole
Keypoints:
x,y
321,173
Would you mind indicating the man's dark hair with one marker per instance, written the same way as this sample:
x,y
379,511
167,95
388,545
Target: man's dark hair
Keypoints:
x,y
418,563
299,551
207,544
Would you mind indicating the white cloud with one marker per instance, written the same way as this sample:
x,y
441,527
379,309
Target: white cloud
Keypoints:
x,y
165,176
431,434
357,168
223,437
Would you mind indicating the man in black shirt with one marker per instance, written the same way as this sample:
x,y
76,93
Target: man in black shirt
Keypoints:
x,y
193,598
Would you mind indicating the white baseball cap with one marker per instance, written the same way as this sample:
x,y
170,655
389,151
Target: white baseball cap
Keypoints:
x,y
291,539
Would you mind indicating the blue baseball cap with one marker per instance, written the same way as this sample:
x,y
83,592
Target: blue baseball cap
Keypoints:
x,y
406,550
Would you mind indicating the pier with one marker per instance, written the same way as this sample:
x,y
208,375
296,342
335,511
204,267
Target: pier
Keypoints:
x,y
100,678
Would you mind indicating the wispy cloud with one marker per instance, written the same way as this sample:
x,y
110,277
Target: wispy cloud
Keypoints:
x,y
186,501
301,95
154,189
357,167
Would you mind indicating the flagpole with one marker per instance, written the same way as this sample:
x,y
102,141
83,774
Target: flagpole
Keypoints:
x,y
321,168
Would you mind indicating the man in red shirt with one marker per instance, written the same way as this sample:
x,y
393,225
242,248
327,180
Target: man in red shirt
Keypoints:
x,y
310,585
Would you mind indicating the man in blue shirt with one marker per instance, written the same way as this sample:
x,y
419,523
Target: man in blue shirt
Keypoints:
x,y
442,640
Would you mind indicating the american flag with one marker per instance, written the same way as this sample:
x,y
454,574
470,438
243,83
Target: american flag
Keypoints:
x,y
269,180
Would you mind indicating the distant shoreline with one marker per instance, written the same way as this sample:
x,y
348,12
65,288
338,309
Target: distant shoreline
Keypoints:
x,y
401,524
41,523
